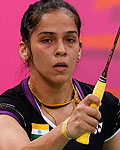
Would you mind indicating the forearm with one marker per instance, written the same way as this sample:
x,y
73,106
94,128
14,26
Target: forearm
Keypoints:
x,y
54,140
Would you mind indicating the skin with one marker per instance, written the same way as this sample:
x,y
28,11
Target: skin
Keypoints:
x,y
60,45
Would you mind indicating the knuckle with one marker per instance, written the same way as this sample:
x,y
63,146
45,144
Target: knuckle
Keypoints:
x,y
89,95
98,115
80,107
96,123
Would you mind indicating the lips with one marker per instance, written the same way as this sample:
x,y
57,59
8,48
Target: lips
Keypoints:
x,y
60,66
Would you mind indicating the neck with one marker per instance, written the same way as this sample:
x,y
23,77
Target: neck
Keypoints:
x,y
56,93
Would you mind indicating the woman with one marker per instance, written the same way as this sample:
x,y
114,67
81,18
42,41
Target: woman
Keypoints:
x,y
49,109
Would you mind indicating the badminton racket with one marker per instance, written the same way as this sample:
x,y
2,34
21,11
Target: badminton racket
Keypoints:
x,y
99,89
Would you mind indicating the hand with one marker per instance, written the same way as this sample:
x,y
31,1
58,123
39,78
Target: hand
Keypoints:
x,y
84,118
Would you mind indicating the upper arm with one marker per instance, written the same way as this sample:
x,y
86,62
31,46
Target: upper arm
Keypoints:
x,y
113,144
113,122
13,135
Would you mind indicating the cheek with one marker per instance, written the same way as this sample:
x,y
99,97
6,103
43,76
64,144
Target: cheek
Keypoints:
x,y
74,52
75,56
41,58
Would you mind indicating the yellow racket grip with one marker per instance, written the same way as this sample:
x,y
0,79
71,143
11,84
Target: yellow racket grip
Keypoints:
x,y
98,91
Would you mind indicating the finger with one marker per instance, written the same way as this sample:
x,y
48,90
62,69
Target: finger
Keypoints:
x,y
90,116
81,126
89,99
83,109
91,121
93,112
89,126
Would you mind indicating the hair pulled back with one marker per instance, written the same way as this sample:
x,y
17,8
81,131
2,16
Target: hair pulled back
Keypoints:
x,y
35,11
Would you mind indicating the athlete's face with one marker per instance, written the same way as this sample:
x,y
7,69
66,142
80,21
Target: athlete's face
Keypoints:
x,y
55,47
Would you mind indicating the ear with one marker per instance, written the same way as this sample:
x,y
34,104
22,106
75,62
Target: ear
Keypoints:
x,y
80,44
79,53
79,56
24,51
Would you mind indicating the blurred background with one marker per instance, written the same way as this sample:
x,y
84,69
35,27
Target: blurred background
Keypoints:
x,y
100,22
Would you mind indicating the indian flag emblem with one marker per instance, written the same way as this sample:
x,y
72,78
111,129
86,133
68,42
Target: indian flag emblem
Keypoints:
x,y
39,130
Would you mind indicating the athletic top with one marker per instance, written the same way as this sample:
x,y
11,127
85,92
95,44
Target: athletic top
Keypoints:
x,y
20,103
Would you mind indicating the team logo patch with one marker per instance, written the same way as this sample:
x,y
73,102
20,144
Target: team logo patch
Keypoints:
x,y
99,128
39,130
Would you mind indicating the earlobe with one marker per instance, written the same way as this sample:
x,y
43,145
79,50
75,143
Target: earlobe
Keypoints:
x,y
23,51
79,53
79,56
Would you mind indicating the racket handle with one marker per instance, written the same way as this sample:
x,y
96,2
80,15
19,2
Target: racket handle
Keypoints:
x,y
98,91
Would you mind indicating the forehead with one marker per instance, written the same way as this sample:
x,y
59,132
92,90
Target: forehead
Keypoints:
x,y
57,21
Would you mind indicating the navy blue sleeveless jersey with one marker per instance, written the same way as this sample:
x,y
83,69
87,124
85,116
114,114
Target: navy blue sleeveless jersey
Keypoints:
x,y
19,103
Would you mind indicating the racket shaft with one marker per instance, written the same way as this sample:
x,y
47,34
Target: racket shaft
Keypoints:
x,y
98,91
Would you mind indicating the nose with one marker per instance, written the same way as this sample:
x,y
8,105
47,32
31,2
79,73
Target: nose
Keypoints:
x,y
60,49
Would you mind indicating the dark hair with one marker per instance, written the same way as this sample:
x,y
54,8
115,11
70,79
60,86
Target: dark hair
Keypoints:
x,y
35,11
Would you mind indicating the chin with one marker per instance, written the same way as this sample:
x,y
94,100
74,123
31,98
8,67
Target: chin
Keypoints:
x,y
61,80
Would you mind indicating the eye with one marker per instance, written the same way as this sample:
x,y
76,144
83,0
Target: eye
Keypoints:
x,y
70,40
47,40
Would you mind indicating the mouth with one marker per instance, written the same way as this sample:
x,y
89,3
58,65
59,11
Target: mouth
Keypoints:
x,y
61,66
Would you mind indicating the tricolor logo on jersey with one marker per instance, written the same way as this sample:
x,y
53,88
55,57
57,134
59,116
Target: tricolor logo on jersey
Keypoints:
x,y
39,130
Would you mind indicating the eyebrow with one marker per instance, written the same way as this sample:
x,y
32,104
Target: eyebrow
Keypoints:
x,y
72,32
46,33
53,33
